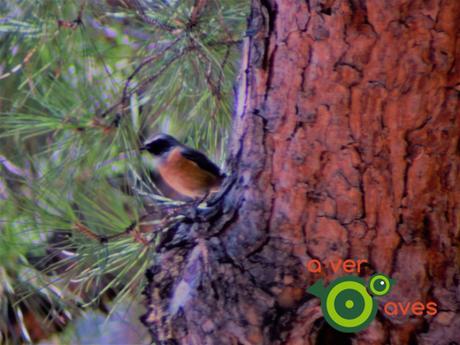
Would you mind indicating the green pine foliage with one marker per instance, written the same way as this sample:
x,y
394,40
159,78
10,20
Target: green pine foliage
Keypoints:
x,y
82,84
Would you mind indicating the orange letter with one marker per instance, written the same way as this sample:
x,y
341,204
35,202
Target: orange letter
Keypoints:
x,y
311,268
418,308
403,308
349,265
391,312
431,308
360,262
335,268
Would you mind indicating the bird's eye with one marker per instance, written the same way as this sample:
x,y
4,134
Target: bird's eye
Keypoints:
x,y
379,285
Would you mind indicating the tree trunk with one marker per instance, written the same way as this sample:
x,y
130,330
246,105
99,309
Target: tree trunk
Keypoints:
x,y
345,145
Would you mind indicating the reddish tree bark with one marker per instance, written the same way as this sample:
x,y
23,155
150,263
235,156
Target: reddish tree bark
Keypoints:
x,y
346,144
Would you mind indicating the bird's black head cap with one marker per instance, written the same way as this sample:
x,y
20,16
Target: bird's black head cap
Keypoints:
x,y
159,144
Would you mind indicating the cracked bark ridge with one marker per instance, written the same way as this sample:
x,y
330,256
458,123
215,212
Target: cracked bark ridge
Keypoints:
x,y
346,144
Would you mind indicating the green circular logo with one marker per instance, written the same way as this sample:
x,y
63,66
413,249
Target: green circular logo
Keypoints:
x,y
346,304
349,307
379,285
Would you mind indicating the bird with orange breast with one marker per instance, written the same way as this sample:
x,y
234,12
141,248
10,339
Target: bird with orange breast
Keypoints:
x,y
188,172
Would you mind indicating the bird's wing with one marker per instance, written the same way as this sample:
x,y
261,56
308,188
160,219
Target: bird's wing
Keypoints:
x,y
201,160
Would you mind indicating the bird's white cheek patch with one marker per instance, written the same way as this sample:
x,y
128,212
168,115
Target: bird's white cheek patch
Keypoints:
x,y
149,161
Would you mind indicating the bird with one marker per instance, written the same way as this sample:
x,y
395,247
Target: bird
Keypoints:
x,y
188,172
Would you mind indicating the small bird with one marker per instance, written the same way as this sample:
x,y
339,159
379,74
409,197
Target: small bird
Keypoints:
x,y
185,170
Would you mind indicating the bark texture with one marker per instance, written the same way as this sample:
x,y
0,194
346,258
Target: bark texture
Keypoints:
x,y
346,144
